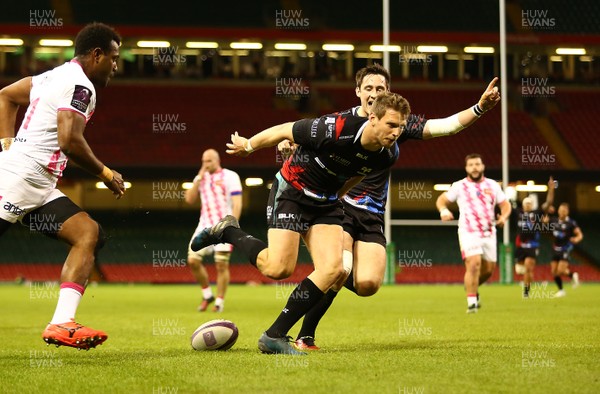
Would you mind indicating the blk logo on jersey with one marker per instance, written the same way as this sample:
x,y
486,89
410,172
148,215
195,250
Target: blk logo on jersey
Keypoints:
x,y
81,98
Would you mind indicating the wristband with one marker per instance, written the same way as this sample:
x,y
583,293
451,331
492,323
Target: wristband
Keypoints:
x,y
196,178
445,212
248,148
6,142
477,110
106,175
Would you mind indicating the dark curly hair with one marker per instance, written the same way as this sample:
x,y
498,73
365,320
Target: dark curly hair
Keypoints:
x,y
95,35
375,69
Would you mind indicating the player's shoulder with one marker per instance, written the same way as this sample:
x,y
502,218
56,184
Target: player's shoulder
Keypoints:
x,y
69,75
72,72
228,172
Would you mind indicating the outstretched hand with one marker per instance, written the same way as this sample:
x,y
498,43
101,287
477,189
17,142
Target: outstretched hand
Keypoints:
x,y
490,97
237,146
116,185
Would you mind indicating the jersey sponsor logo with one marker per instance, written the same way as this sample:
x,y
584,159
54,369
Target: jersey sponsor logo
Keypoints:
x,y
340,160
365,170
288,216
313,128
330,122
81,98
14,209
361,156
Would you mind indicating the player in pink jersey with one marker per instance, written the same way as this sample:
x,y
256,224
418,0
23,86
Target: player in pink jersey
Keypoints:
x,y
60,102
220,192
477,197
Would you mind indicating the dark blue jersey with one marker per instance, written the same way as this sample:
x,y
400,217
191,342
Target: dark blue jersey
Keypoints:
x,y
330,153
529,226
562,231
371,193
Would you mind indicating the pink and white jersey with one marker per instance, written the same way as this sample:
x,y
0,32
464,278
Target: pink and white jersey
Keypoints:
x,y
64,88
216,191
476,202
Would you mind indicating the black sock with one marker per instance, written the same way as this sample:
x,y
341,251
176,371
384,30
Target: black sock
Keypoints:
x,y
558,281
571,275
526,288
304,297
312,317
246,243
350,283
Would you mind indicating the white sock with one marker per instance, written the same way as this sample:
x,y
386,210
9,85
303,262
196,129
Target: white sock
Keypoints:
x,y
207,292
68,301
471,300
220,301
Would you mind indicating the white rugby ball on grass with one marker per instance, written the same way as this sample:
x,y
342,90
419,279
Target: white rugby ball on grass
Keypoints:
x,y
215,335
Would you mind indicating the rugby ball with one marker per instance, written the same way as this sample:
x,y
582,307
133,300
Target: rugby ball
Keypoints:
x,y
215,335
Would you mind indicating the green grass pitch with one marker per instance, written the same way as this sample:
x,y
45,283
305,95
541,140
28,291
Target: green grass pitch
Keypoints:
x,y
405,339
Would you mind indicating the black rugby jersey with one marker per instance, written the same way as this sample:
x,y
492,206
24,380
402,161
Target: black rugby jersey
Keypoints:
x,y
529,226
563,230
330,153
371,193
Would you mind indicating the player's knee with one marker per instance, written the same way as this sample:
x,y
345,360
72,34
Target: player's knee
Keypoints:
x,y
222,266
88,234
366,288
194,263
278,272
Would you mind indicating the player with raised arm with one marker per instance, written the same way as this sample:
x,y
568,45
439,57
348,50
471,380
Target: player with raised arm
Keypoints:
x,y
529,226
60,103
364,255
334,153
566,233
476,197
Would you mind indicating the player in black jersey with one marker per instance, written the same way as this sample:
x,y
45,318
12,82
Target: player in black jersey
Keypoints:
x,y
364,255
566,233
335,152
530,225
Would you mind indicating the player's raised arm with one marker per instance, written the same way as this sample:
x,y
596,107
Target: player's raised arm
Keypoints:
x,y
71,126
272,136
465,118
11,98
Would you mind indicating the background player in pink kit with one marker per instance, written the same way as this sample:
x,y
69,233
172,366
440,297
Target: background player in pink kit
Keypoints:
x,y
476,197
60,103
220,193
